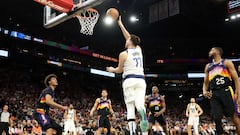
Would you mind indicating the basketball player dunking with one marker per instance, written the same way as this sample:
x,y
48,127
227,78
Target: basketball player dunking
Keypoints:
x,y
134,85
70,117
104,108
193,112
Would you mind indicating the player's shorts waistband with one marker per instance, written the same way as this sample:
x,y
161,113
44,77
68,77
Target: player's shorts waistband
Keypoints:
x,y
221,88
133,76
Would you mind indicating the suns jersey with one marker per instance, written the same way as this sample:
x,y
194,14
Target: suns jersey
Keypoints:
x,y
154,103
70,114
103,106
219,76
42,106
134,62
193,109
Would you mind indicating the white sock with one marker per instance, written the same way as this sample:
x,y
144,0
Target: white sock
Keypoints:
x,y
132,127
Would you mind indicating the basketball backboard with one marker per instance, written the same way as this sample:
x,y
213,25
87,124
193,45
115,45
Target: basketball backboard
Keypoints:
x,y
53,17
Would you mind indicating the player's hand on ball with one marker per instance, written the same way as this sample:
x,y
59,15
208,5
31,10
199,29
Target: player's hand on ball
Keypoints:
x,y
110,69
119,21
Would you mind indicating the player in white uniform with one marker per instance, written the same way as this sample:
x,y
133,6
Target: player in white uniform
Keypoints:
x,y
193,112
70,118
134,85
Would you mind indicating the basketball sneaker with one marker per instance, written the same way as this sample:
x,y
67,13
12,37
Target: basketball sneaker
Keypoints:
x,y
143,122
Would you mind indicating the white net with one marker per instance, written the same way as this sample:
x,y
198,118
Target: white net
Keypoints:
x,y
87,19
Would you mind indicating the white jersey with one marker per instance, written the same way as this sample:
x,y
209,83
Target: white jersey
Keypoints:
x,y
133,63
193,109
70,114
5,117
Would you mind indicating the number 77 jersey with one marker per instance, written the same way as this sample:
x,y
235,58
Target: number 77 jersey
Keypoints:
x,y
219,76
134,62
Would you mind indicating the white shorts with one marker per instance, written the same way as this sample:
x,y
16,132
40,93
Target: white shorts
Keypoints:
x,y
69,126
192,120
134,89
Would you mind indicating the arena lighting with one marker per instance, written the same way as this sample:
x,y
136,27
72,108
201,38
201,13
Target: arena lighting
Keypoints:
x,y
4,53
40,54
227,19
235,60
133,18
6,32
180,96
161,61
20,35
233,17
38,40
151,75
196,75
108,20
72,61
59,64
101,72
25,50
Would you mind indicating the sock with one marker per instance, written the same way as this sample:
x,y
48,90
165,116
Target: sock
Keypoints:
x,y
132,127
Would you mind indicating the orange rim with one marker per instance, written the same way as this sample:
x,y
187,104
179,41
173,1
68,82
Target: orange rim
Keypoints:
x,y
89,9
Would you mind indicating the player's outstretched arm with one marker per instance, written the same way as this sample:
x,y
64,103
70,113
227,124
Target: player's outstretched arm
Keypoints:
x,y
163,105
50,102
234,76
206,93
65,114
200,111
187,110
94,106
123,29
119,68
75,116
156,114
111,109
146,100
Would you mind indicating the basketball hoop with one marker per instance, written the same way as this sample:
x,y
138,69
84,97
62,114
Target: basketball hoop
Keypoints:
x,y
87,19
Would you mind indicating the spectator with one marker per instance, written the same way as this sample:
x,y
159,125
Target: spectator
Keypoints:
x,y
37,130
27,130
19,129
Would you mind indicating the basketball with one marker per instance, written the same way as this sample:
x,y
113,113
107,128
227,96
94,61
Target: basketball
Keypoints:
x,y
113,12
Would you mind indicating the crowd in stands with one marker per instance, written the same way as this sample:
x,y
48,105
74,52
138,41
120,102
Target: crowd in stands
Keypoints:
x,y
20,92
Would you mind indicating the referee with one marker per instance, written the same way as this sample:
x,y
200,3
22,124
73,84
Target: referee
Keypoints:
x,y
4,120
